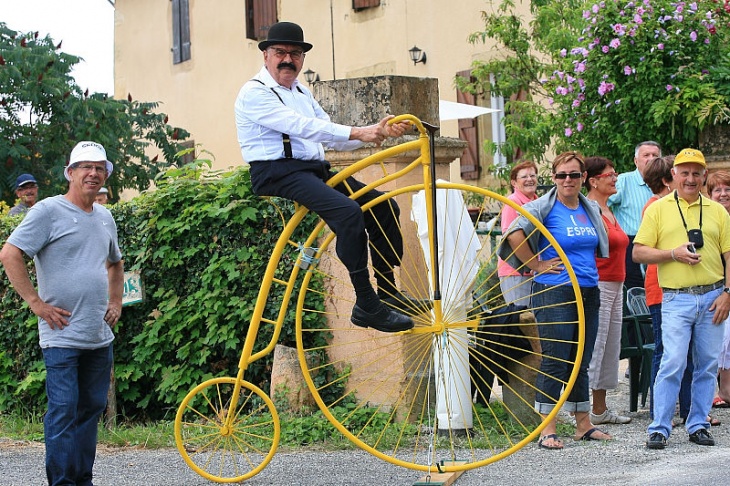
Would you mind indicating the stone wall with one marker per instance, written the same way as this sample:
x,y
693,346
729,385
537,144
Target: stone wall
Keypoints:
x,y
715,146
364,101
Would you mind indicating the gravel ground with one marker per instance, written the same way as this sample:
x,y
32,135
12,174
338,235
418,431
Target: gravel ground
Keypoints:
x,y
623,461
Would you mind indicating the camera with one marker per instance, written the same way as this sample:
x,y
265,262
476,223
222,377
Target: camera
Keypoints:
x,y
695,237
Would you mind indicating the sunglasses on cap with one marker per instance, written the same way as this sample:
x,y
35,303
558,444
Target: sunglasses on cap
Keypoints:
x,y
568,175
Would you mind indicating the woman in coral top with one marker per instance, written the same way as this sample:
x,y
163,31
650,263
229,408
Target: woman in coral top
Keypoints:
x,y
603,370
516,284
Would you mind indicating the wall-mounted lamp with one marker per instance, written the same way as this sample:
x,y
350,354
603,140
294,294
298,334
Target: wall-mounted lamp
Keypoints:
x,y
311,76
417,55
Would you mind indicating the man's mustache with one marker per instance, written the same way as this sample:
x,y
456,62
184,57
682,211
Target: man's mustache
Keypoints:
x,y
283,65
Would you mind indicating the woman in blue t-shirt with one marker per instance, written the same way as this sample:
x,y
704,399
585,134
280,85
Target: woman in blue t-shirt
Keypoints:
x,y
575,222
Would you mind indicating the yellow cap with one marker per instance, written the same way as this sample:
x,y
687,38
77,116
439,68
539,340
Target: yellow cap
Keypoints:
x,y
688,155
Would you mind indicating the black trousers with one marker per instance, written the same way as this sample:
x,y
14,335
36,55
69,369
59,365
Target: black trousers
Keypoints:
x,y
304,182
634,274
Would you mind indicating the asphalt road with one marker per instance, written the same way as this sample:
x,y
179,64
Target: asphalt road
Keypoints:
x,y
623,461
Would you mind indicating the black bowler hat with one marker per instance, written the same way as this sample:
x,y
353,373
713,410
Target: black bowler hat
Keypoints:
x,y
285,33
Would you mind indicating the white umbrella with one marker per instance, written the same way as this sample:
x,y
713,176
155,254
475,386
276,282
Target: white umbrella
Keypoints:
x,y
450,110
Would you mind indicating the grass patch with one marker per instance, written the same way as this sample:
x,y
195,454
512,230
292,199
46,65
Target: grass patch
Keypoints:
x,y
306,429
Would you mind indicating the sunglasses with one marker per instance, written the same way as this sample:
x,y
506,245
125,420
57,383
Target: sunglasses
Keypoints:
x,y
569,175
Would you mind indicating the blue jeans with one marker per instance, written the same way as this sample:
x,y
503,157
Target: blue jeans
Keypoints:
x,y
687,320
685,389
558,348
77,382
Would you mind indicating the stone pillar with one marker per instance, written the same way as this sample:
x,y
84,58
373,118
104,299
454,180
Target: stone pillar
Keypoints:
x,y
364,101
287,382
714,142
519,395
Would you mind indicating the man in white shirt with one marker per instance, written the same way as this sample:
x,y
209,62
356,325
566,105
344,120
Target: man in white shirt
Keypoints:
x,y
282,131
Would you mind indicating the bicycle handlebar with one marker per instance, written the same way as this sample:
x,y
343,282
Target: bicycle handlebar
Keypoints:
x,y
409,118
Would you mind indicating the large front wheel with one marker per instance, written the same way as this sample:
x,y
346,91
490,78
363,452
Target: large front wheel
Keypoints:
x,y
222,446
457,391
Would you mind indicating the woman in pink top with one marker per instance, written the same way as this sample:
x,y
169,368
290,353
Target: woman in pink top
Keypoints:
x,y
603,369
718,187
516,283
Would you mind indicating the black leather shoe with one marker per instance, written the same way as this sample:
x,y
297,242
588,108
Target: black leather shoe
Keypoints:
x,y
407,305
657,441
702,437
384,320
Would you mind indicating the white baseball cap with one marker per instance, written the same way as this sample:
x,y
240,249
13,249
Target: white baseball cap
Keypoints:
x,y
88,152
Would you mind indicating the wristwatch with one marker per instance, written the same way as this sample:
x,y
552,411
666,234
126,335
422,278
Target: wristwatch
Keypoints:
x,y
726,290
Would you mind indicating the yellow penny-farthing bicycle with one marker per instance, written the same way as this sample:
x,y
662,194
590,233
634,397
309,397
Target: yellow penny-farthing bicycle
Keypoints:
x,y
456,392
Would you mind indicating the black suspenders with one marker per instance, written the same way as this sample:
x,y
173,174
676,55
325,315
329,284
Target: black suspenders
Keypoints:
x,y
285,137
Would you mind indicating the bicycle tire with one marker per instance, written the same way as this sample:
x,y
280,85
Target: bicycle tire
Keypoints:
x,y
380,390
222,452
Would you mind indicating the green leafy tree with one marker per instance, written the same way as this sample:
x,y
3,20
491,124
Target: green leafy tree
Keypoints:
x,y
201,242
43,113
601,76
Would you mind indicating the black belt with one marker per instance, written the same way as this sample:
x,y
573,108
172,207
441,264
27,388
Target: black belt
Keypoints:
x,y
697,289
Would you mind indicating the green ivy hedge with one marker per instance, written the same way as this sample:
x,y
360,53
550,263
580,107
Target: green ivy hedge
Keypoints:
x,y
201,241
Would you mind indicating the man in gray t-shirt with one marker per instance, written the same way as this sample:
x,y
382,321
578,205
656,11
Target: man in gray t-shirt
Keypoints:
x,y
80,271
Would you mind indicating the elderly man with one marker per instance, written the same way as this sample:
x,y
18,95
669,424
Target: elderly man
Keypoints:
x,y
26,189
79,299
282,131
632,193
688,236
102,197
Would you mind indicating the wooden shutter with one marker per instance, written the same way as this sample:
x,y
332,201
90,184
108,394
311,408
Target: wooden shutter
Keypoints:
x,y
180,31
260,16
362,4
468,131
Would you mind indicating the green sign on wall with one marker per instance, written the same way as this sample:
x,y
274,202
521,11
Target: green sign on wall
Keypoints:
x,y
133,289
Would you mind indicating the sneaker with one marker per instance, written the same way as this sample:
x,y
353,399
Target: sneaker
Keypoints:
x,y
566,417
656,441
609,417
702,437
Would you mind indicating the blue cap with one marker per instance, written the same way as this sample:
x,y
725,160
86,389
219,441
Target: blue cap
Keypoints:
x,y
24,179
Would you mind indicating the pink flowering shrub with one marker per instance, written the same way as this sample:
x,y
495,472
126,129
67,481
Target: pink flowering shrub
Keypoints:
x,y
616,72
652,83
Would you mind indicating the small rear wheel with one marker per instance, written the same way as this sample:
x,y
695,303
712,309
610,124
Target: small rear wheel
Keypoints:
x,y
223,450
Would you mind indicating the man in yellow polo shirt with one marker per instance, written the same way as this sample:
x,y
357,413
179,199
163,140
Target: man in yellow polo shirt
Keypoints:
x,y
688,236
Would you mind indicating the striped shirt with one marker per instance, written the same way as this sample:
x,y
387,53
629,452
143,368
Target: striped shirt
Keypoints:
x,y
629,200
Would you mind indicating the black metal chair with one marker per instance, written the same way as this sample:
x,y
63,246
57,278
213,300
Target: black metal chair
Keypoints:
x,y
637,345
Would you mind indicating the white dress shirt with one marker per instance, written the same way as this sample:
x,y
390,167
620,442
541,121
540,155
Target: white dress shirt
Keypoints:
x,y
261,118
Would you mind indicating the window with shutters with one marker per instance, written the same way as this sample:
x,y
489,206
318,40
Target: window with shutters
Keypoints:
x,y
260,16
476,130
180,31
469,132
363,4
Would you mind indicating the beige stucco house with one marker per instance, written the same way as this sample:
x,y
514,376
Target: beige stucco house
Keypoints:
x,y
194,55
